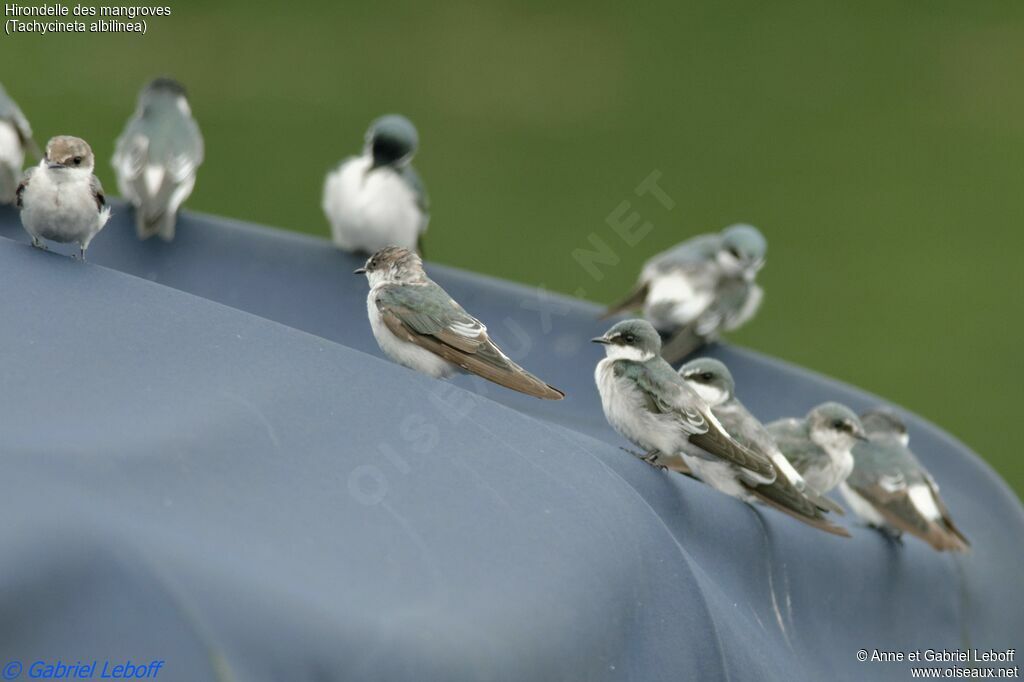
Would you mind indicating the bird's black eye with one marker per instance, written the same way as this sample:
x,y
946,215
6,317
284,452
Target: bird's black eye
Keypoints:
x,y
707,376
77,160
734,252
839,425
629,338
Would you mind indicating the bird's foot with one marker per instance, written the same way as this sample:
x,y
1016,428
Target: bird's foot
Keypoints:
x,y
649,457
38,243
80,256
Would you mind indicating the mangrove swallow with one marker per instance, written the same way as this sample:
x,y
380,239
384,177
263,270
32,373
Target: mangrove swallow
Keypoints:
x,y
157,156
890,490
60,199
15,140
377,199
417,324
819,445
700,288
789,492
653,407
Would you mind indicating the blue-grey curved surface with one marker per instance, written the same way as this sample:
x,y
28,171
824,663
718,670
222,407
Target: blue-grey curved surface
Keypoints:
x,y
207,461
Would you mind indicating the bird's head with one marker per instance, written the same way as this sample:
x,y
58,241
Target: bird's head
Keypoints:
x,y
392,264
743,250
834,427
162,93
885,423
710,378
391,141
631,340
65,152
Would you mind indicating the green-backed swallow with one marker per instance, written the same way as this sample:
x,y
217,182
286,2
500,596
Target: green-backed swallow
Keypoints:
x,y
60,199
377,199
157,156
417,324
819,445
890,490
789,493
652,406
15,140
700,288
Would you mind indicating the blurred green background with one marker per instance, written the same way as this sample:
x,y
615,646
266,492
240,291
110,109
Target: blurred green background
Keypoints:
x,y
877,144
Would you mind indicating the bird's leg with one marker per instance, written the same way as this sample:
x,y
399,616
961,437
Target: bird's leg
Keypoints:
x,y
81,254
650,457
891,534
38,243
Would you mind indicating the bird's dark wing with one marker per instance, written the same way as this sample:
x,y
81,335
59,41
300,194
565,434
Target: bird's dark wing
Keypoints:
x,y
427,316
19,193
97,193
667,391
634,300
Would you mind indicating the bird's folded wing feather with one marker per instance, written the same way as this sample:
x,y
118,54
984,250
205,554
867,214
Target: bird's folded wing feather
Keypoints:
x,y
428,317
20,192
97,192
670,395
791,437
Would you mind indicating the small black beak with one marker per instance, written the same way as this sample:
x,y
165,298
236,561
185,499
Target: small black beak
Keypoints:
x,y
359,271
54,166
861,436
601,340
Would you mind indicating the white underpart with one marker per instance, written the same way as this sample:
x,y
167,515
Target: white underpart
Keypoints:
x,y
404,352
729,264
370,211
626,410
861,507
833,471
749,309
674,301
712,395
153,176
12,157
924,502
617,352
59,205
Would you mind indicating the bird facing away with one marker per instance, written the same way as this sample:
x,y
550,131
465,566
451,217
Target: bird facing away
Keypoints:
x,y
418,325
700,288
60,199
789,493
890,490
15,140
819,445
652,406
157,156
377,199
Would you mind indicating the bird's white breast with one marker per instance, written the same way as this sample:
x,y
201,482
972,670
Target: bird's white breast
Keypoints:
x,y
861,507
674,300
626,410
12,157
369,211
828,472
60,206
404,352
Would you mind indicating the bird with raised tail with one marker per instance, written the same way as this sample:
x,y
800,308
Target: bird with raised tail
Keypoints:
x,y
15,141
649,404
820,445
890,490
60,199
377,199
418,325
700,288
788,493
157,156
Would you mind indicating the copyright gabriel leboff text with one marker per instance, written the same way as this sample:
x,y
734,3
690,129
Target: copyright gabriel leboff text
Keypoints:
x,y
101,669
955,663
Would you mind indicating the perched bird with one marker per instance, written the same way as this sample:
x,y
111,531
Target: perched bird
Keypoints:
x,y
819,445
700,288
157,156
15,140
891,491
417,324
652,406
377,199
60,199
789,493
